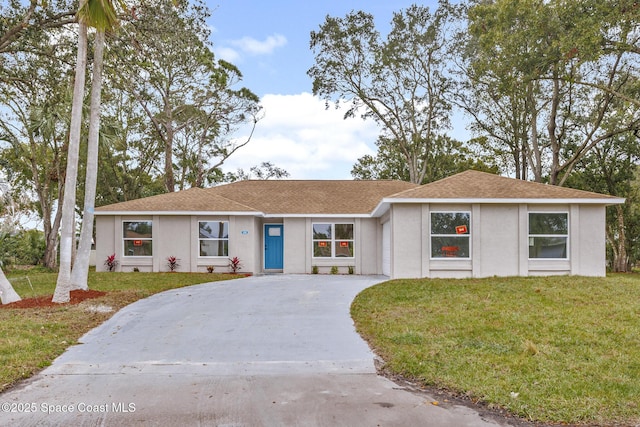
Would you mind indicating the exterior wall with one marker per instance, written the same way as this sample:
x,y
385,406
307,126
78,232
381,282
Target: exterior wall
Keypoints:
x,y
499,242
105,241
297,246
406,241
590,241
177,235
242,241
496,248
171,238
368,243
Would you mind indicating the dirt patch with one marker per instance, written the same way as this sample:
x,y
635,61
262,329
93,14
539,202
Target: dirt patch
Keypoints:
x,y
76,296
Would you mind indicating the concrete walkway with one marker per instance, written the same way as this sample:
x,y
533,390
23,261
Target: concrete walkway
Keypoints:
x,y
260,351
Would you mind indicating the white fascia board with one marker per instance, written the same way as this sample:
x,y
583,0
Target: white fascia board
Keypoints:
x,y
594,201
350,215
177,213
381,209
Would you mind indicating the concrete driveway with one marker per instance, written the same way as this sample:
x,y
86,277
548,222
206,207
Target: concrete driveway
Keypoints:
x,y
260,351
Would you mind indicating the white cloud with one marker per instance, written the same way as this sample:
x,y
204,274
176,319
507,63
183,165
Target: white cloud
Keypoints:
x,y
227,53
299,135
257,47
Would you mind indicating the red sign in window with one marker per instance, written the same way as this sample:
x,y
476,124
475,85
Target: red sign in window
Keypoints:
x,y
461,229
137,243
344,244
322,244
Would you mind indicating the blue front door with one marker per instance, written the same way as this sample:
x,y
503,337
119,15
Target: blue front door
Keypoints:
x,y
273,247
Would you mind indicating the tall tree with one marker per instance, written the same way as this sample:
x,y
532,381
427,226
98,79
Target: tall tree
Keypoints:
x,y
612,168
399,82
67,224
264,171
19,19
189,98
446,158
34,125
102,16
550,82
27,32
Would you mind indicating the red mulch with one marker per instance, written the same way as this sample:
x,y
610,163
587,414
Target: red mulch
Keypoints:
x,y
77,296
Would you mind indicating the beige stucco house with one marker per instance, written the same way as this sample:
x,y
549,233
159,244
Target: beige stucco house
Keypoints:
x,y
472,224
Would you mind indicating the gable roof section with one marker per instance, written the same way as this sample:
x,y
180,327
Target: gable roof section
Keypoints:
x,y
267,198
194,200
475,186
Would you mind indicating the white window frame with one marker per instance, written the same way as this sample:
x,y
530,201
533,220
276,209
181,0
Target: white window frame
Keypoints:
x,y
125,239
218,239
460,236
333,240
531,236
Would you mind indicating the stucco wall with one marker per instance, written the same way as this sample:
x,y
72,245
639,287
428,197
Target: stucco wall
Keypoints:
x,y
297,246
592,239
368,242
499,241
171,238
105,241
496,247
406,240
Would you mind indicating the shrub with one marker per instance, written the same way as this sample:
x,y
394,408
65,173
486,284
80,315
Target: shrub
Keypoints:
x,y
111,262
234,264
210,268
334,270
350,269
172,263
314,269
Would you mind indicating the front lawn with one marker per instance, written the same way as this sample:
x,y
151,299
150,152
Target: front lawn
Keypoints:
x,y
562,349
30,338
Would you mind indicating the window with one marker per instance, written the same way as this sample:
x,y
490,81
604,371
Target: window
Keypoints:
x,y
138,238
450,232
548,235
214,238
333,240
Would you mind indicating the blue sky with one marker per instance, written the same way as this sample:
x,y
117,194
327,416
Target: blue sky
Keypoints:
x,y
269,42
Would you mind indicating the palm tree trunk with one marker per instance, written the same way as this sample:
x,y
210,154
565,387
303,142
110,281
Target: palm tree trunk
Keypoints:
x,y
7,293
67,227
80,272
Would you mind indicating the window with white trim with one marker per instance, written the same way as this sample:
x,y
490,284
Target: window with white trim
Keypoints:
x,y
548,235
213,238
137,238
331,240
450,234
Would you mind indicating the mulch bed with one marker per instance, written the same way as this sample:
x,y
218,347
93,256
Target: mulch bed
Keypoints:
x,y
76,296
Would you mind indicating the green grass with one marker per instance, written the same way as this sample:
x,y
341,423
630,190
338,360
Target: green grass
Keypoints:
x,y
31,338
562,349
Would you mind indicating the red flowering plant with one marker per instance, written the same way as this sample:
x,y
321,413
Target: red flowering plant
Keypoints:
x,y
111,263
172,263
234,264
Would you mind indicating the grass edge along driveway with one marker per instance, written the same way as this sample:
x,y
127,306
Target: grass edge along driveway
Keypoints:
x,y
31,338
556,349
